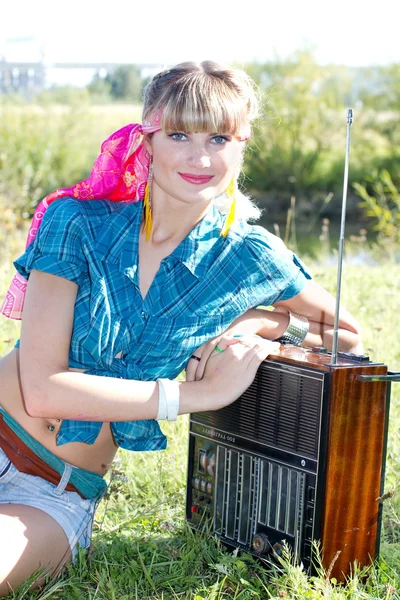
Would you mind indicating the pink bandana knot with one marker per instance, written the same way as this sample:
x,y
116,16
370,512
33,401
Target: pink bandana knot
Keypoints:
x,y
119,174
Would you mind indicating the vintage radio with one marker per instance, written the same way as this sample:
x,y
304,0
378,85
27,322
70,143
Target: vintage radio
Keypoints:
x,y
299,457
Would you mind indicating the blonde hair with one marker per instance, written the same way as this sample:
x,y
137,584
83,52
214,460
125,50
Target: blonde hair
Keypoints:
x,y
206,97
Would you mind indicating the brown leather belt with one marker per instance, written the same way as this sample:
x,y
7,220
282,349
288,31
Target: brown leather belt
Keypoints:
x,y
25,460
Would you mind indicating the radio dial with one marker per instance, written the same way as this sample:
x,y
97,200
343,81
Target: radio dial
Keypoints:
x,y
261,544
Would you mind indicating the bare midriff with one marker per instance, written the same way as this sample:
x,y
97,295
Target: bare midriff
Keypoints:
x,y
96,457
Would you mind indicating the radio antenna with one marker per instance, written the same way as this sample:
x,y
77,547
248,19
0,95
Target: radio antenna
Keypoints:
x,y
341,240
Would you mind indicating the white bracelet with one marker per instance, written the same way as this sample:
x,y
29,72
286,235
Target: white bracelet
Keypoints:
x,y
162,403
168,399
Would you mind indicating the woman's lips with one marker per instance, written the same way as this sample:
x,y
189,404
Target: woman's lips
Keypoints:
x,y
196,179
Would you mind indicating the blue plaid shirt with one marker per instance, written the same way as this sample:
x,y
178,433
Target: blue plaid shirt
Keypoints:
x,y
198,291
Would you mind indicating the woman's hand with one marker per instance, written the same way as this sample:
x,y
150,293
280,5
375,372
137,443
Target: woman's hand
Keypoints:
x,y
250,323
198,361
232,367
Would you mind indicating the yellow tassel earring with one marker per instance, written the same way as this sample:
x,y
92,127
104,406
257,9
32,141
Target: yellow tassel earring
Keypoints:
x,y
230,191
148,222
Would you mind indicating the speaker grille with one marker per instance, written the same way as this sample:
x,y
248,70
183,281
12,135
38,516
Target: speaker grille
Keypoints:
x,y
281,408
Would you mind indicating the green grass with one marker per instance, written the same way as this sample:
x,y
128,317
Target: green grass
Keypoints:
x,y
142,547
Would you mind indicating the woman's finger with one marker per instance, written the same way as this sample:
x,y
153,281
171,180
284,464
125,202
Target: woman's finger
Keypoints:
x,y
208,349
205,355
193,365
217,345
260,351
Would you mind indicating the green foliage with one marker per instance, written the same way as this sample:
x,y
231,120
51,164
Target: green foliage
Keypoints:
x,y
67,95
43,148
99,89
379,87
125,83
293,132
39,152
298,147
382,204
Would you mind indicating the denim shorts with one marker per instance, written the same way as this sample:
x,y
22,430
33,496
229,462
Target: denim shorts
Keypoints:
x,y
74,514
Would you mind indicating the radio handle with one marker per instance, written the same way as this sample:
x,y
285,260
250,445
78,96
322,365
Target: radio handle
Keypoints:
x,y
341,240
391,376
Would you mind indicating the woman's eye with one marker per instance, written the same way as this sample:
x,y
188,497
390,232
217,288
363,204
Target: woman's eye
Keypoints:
x,y
220,139
178,137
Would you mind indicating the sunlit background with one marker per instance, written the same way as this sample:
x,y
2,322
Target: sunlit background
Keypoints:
x,y
312,59
158,33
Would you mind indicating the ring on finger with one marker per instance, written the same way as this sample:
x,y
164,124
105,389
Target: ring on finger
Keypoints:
x,y
196,357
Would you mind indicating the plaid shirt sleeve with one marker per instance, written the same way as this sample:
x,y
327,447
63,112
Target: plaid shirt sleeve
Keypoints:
x,y
59,245
277,273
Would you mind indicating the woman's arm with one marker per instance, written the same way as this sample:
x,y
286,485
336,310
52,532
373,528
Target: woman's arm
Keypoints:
x,y
51,390
314,302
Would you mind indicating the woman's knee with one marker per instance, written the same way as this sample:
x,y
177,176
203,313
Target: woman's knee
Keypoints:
x,y
30,540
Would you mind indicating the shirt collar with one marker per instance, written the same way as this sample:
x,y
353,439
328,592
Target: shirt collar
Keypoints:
x,y
118,241
194,250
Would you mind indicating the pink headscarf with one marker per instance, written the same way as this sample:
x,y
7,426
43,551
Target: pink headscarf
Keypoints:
x,y
119,174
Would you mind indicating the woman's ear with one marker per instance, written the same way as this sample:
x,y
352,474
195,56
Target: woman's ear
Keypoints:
x,y
147,144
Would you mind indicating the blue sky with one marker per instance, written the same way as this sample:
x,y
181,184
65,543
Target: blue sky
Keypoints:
x,y
164,32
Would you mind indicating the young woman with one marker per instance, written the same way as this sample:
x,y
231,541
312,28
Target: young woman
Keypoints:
x,y
123,295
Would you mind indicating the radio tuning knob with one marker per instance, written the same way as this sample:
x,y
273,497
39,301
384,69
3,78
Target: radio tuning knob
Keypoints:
x,y
260,544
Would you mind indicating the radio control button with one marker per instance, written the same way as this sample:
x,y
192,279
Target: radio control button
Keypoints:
x,y
310,494
260,544
202,461
203,485
193,509
196,483
277,548
209,488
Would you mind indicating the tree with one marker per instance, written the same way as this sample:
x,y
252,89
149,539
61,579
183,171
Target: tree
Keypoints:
x,y
99,87
126,83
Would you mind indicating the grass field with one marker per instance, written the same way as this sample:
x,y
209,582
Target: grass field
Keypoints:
x,y
142,547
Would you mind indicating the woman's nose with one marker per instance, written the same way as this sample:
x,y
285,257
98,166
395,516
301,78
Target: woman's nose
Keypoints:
x,y
199,158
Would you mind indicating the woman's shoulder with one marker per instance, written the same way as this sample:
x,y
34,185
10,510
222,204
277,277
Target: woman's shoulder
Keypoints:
x,y
88,215
262,248
254,238
69,206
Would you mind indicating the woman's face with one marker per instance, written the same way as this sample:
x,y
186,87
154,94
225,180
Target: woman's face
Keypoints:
x,y
194,167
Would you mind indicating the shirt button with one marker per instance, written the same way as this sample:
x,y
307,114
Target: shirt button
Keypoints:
x,y
143,313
